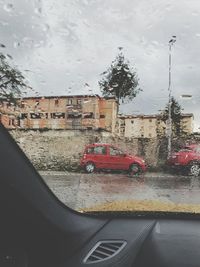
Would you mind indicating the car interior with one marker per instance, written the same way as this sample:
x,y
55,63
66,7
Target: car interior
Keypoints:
x,y
100,133
38,230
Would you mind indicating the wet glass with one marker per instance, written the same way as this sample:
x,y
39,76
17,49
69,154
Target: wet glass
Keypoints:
x,y
124,73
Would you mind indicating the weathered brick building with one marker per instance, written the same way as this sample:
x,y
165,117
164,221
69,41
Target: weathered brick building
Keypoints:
x,y
149,126
9,114
61,112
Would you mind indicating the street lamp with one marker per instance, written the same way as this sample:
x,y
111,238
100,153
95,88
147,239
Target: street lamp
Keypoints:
x,y
186,96
171,42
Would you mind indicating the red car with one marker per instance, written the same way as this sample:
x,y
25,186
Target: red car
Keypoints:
x,y
187,158
105,156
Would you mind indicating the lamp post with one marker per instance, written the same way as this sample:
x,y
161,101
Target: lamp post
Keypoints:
x,y
171,42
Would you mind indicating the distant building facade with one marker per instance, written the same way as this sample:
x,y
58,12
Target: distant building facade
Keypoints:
x,y
186,125
62,112
9,114
81,112
187,122
148,126
137,126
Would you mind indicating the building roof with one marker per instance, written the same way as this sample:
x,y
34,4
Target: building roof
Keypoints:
x,y
153,116
137,116
186,115
67,96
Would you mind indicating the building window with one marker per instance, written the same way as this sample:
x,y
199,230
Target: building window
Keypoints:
x,y
132,122
22,104
150,120
11,122
102,116
70,101
24,116
79,101
74,115
57,115
56,102
36,115
37,103
88,115
150,135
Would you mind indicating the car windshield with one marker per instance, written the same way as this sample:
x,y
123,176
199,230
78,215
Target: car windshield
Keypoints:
x,y
100,95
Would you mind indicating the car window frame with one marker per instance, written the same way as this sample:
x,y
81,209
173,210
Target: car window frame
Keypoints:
x,y
116,148
93,147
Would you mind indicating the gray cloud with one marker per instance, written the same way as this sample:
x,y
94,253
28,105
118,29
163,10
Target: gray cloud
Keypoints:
x,y
68,43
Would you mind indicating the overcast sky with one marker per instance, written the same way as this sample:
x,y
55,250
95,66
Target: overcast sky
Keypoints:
x,y
60,45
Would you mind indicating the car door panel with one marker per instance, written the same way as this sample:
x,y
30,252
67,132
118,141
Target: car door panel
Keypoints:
x,y
116,162
100,157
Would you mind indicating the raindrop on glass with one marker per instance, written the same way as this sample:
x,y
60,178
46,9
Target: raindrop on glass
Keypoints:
x,y
45,27
8,7
38,10
2,46
16,44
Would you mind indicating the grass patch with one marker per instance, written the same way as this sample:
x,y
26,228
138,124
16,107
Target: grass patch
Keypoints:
x,y
144,205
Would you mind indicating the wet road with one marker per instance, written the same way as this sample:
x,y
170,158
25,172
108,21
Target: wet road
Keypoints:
x,y
86,190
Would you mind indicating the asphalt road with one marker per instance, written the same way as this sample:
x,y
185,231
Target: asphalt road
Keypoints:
x,y
81,190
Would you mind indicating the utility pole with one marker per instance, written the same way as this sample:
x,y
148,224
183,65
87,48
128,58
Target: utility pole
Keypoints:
x,y
169,148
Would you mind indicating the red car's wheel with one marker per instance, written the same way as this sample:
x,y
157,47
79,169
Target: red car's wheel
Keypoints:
x,y
194,169
134,169
89,167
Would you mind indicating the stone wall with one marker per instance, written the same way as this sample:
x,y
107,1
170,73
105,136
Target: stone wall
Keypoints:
x,y
62,149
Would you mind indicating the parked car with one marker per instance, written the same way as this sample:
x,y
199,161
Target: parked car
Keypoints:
x,y
188,158
105,156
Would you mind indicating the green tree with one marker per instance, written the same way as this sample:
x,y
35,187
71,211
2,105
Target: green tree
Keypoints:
x,y
120,80
12,82
176,116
